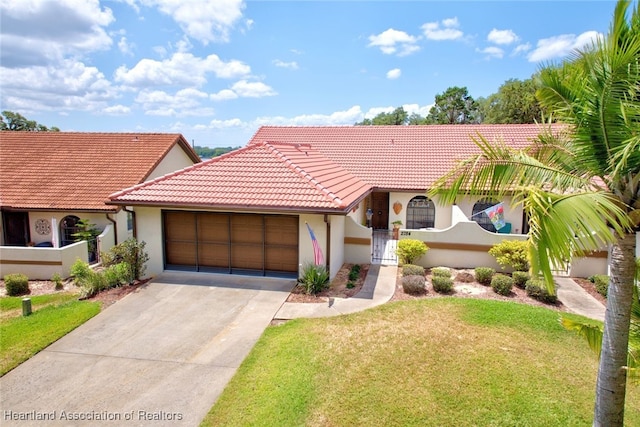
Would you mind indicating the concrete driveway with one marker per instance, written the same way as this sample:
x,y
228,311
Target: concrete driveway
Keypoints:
x,y
158,357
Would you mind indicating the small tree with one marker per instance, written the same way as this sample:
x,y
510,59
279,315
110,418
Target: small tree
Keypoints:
x,y
130,251
410,250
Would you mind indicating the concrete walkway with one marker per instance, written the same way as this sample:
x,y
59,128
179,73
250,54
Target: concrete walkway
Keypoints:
x,y
577,300
378,288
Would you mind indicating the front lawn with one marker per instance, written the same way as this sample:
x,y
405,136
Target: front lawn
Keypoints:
x,y
434,362
54,315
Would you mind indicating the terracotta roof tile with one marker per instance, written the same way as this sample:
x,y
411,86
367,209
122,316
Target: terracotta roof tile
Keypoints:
x,y
76,171
397,157
276,176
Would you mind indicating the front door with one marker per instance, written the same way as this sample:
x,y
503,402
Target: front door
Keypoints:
x,y
380,207
16,228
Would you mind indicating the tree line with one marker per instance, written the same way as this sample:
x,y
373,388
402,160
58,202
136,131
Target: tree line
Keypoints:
x,y
515,102
17,122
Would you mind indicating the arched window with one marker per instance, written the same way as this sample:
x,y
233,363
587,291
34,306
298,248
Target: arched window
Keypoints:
x,y
482,218
421,213
68,227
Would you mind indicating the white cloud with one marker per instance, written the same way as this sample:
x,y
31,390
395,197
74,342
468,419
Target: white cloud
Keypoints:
x,y
394,42
70,85
116,110
180,69
41,32
560,46
447,29
338,118
492,52
223,95
293,65
226,124
502,36
394,74
206,21
125,47
247,89
158,102
521,48
418,109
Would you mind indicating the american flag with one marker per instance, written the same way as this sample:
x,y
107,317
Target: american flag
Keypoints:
x,y
318,258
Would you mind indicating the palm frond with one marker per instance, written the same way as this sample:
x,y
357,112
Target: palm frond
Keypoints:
x,y
590,332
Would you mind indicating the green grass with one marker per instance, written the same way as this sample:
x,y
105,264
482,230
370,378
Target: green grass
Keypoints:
x,y
433,362
53,316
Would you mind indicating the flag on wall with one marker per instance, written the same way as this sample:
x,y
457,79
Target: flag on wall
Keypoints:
x,y
318,258
496,215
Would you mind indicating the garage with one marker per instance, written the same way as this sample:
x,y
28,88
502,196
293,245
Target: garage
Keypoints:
x,y
231,243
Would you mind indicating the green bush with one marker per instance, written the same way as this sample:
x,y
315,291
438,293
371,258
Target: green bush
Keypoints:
x,y
414,284
511,253
412,270
89,281
354,273
314,279
130,251
118,274
410,250
501,284
57,280
16,284
484,275
441,272
442,285
537,289
601,282
520,278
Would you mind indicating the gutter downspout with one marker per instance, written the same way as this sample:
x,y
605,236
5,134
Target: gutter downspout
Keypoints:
x,y
328,242
133,218
115,229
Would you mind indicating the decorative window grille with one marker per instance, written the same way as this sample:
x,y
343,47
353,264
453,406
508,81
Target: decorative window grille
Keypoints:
x,y
68,227
482,218
421,213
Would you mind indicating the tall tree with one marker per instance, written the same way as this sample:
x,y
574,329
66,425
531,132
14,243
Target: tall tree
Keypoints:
x,y
397,117
453,106
515,102
577,186
17,122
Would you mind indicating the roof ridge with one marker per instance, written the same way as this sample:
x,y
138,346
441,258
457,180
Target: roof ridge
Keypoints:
x,y
300,171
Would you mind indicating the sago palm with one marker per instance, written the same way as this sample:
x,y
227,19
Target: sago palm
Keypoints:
x,y
579,183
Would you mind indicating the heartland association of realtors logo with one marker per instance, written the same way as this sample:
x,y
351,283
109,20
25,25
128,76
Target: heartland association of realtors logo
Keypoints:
x,y
133,415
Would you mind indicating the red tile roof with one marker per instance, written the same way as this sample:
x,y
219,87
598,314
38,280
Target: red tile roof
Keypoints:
x,y
77,171
398,157
264,176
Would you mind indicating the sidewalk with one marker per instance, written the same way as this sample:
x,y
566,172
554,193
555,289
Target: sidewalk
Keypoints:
x,y
378,288
577,300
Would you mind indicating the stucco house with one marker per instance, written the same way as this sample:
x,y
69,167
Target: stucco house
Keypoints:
x,y
248,210
51,180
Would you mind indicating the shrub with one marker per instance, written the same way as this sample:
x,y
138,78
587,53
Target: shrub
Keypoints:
x,y
465,277
441,272
89,281
601,282
354,273
484,275
410,250
314,279
57,280
412,270
441,284
80,271
414,284
118,274
537,289
130,251
501,284
511,253
350,285
16,284
520,278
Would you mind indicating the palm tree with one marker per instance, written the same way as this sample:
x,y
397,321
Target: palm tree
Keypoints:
x,y
579,182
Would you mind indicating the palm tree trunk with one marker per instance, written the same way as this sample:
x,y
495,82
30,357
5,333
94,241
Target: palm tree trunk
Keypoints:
x,y
612,375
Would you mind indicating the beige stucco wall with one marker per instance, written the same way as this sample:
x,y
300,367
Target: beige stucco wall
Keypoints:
x,y
175,159
149,230
41,263
358,252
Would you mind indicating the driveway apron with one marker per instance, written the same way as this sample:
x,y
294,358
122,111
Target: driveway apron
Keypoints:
x,y
160,356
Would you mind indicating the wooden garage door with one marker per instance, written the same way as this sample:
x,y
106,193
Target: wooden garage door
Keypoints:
x,y
227,242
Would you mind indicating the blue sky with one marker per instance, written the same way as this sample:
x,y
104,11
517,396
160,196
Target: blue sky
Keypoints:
x,y
216,70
